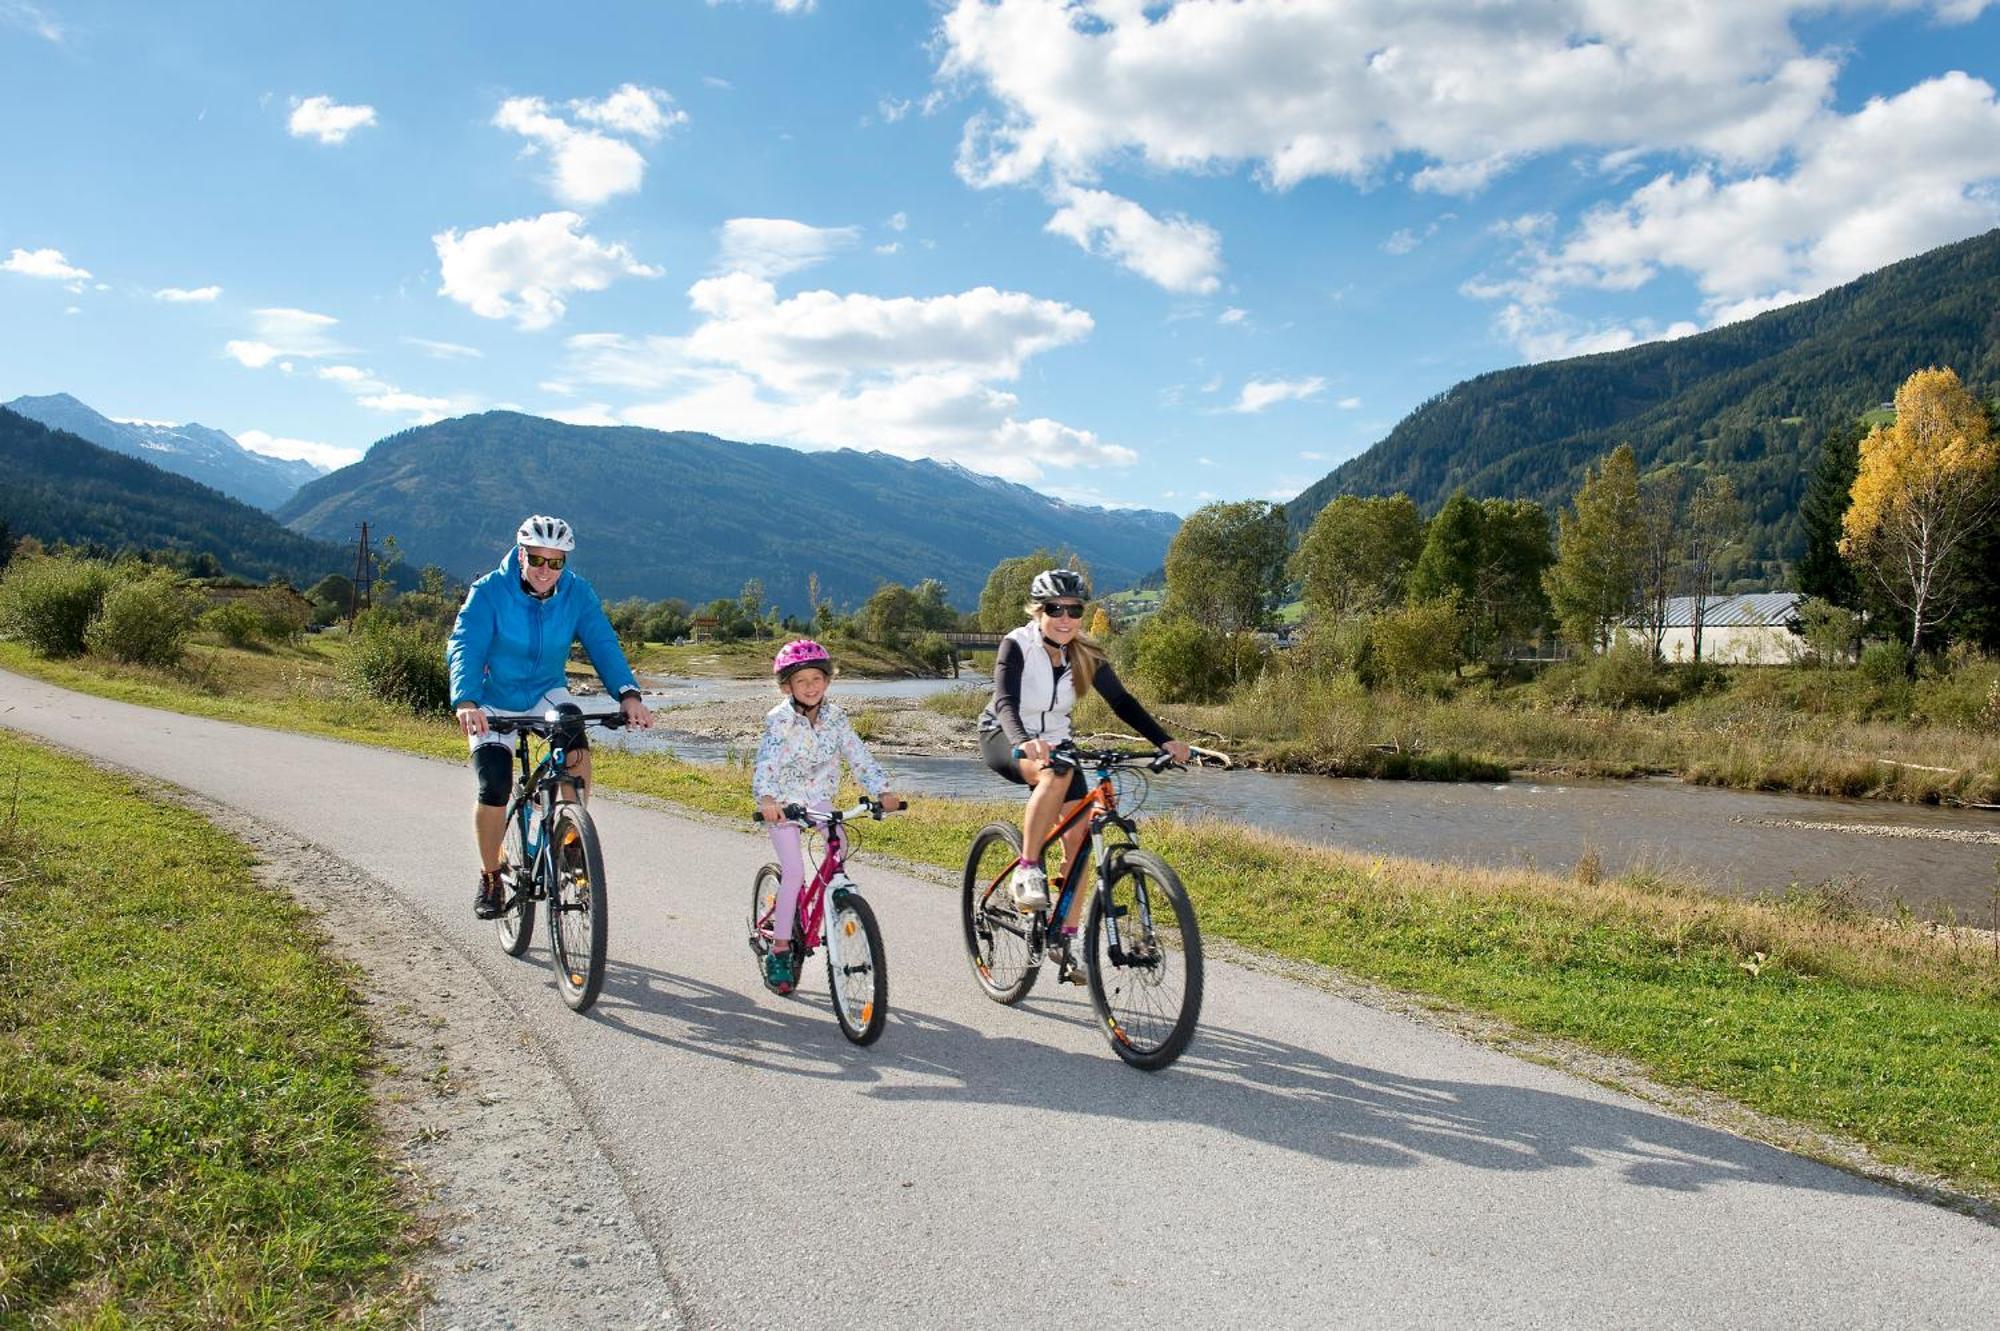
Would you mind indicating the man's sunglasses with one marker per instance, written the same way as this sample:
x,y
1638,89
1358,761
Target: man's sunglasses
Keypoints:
x,y
546,561
1055,611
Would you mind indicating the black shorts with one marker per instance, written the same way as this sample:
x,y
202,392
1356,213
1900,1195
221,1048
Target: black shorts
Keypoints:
x,y
998,751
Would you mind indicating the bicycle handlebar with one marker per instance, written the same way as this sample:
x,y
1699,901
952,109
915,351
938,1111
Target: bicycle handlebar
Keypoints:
x,y
799,813
544,722
1067,754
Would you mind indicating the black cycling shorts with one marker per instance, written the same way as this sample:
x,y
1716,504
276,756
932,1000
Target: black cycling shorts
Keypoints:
x,y
998,751
493,765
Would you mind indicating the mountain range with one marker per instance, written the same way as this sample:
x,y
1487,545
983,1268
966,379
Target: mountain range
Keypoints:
x,y
56,486
689,515
1753,399
195,451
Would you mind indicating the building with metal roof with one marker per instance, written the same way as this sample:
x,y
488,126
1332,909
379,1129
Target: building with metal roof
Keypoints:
x,y
1751,628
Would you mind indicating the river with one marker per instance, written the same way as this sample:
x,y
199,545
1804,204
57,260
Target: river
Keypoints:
x,y
1941,862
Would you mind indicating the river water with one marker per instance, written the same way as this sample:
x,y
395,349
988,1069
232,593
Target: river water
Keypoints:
x,y
1941,862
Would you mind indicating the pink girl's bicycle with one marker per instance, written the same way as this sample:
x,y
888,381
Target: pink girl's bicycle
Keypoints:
x,y
857,968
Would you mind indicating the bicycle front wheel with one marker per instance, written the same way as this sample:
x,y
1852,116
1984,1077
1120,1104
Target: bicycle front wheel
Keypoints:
x,y
996,934
858,969
764,908
577,906
1145,961
517,922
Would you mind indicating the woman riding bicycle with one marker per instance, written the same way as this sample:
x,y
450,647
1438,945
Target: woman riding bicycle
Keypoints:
x,y
1042,668
506,654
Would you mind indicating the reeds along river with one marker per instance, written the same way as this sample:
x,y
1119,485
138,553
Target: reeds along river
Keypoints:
x,y
1940,862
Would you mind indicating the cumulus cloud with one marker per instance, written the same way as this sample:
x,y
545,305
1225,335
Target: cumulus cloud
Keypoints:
x,y
1461,89
325,456
328,121
187,296
523,270
586,166
1175,253
919,377
44,263
1259,394
774,246
1901,175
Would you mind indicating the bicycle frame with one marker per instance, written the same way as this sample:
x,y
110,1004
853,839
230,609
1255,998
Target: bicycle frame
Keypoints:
x,y
541,787
1100,805
831,873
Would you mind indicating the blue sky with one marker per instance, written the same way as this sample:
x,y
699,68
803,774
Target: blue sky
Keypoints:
x,y
1134,253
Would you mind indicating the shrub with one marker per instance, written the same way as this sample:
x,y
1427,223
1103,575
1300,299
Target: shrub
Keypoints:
x,y
401,664
282,614
1418,641
1830,631
1178,660
144,621
234,622
1885,663
933,651
1628,675
48,602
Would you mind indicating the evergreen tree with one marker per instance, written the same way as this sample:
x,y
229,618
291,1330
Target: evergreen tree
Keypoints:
x,y
1824,572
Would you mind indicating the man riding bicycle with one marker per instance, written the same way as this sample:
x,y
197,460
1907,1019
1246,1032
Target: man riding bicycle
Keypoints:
x,y
507,652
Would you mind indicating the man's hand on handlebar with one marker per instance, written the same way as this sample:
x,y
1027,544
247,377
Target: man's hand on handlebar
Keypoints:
x,y
635,711
471,719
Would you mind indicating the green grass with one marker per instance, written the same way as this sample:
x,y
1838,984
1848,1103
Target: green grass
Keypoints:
x,y
1884,1032
185,1132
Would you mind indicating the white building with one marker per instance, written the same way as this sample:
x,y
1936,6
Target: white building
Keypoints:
x,y
1756,628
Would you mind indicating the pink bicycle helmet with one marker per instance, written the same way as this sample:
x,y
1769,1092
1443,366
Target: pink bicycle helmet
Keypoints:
x,y
797,655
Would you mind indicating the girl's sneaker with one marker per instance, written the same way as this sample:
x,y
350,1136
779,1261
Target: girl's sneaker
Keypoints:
x,y
778,973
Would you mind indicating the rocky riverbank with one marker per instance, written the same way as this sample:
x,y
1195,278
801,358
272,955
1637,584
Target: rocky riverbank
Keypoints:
x,y
890,725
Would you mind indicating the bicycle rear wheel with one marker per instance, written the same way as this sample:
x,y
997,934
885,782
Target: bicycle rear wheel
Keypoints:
x,y
996,934
763,907
1145,961
577,906
517,922
857,968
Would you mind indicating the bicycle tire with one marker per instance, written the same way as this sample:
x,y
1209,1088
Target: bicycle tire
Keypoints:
x,y
996,941
763,905
516,925
578,906
1147,1018
860,997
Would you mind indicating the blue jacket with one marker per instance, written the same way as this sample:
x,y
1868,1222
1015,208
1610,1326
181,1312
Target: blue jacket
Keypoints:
x,y
507,648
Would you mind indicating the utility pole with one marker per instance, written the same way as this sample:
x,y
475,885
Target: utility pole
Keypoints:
x,y
364,575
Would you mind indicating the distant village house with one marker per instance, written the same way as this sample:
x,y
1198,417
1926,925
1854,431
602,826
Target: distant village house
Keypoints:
x,y
1754,628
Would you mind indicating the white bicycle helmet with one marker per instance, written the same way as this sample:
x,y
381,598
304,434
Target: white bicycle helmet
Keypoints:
x,y
1056,583
546,532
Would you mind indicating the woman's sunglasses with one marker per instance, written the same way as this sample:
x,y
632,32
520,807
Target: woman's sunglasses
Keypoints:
x,y
546,561
1055,611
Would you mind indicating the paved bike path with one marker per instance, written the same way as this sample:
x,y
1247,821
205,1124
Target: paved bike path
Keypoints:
x,y
1310,1160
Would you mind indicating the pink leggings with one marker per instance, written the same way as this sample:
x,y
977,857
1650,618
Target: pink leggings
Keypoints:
x,y
791,877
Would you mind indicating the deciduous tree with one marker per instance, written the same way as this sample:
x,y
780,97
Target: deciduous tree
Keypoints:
x,y
1356,557
1592,582
1226,565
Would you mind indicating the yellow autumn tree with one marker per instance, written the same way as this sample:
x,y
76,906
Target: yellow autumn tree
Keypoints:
x,y
1100,625
1926,484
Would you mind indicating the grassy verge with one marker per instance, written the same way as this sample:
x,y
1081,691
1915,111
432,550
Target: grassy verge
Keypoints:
x,y
1882,1032
185,1134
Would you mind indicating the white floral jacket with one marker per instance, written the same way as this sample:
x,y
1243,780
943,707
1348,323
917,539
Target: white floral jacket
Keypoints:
x,y
799,763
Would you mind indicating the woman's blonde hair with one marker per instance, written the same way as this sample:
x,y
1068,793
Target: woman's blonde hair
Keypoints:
x,y
1086,654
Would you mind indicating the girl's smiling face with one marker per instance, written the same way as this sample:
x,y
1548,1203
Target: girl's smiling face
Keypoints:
x,y
807,686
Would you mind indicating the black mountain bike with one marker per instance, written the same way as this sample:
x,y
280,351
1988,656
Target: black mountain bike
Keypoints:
x,y
1141,946
551,853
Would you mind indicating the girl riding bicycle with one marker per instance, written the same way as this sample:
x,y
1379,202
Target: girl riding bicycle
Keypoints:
x,y
1042,668
798,762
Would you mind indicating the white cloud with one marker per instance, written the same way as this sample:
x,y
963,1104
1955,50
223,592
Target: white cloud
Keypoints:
x,y
918,377
31,18
1349,404
523,270
1178,253
1232,315
1261,393
186,296
328,456
1460,89
422,410
782,6
328,121
774,246
282,331
1901,175
444,350
898,221
44,263
1309,456
588,167
644,113
892,109
255,355
1401,242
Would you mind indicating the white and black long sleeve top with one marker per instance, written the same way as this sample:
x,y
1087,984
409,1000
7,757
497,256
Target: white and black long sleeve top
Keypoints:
x,y
1033,697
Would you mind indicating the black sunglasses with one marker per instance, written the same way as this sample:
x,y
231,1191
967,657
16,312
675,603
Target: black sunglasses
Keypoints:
x,y
1055,611
546,561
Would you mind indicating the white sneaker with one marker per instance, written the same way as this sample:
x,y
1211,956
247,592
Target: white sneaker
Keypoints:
x,y
1031,888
